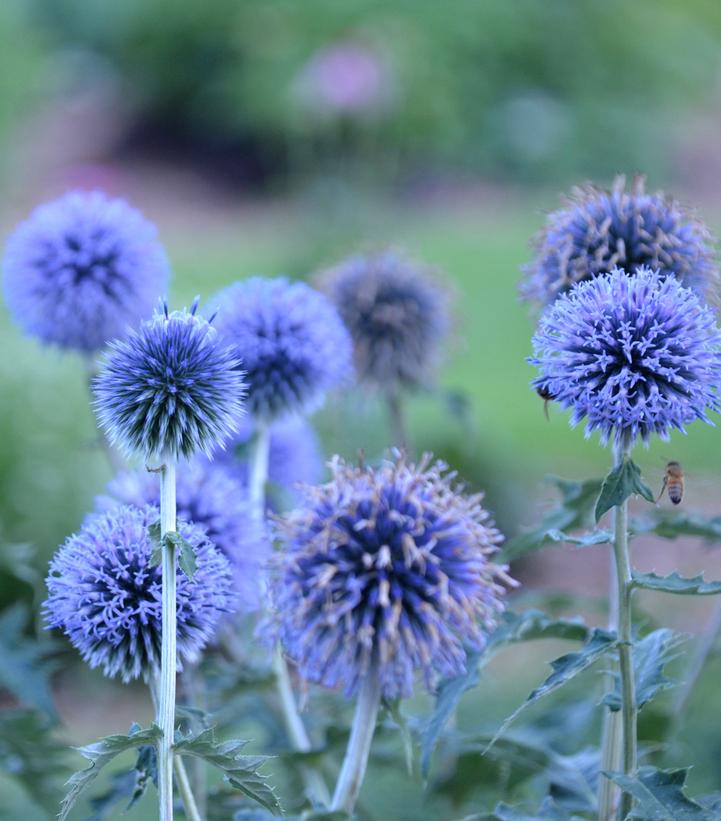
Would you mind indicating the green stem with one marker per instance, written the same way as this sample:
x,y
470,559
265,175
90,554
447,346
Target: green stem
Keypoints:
x,y
399,430
168,654
297,733
355,762
185,790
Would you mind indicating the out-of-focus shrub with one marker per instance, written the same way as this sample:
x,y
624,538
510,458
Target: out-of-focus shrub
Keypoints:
x,y
524,89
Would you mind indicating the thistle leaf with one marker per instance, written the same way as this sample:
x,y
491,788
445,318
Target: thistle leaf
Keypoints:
x,y
240,771
574,513
650,656
100,754
659,795
670,524
674,583
156,556
623,481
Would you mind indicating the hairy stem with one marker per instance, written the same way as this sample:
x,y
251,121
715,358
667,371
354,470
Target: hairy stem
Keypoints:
x,y
168,655
629,711
399,430
297,733
355,762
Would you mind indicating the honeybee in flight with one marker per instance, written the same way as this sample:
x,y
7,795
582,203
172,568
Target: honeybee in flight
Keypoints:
x,y
546,395
673,483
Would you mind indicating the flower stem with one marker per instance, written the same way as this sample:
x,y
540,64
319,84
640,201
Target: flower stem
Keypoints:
x,y
399,429
185,790
168,655
355,762
297,733
627,739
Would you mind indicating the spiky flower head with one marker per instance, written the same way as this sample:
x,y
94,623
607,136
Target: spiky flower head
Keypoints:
x,y
172,386
599,230
396,313
632,355
209,496
82,269
106,597
292,341
387,572
294,455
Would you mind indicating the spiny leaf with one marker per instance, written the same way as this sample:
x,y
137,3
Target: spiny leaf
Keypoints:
x,y
548,811
25,667
100,754
659,795
128,787
650,656
240,771
393,708
534,624
623,481
186,558
154,533
674,583
574,513
566,668
670,524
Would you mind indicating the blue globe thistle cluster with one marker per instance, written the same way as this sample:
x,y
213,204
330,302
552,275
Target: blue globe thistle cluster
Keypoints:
x,y
294,456
209,496
600,230
106,597
82,269
632,355
173,385
293,344
387,570
396,314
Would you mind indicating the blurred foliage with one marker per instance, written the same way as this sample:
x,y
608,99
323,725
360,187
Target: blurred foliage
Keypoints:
x,y
525,89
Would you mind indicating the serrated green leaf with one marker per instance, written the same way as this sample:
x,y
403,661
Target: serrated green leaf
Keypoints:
x,y
565,668
393,707
514,627
548,811
127,787
623,481
674,583
574,512
670,524
240,771
100,754
659,795
650,655
156,556
26,665
186,558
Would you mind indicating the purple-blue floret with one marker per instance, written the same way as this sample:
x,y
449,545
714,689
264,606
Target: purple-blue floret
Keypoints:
x,y
173,386
106,597
632,355
599,230
293,343
209,496
82,269
386,572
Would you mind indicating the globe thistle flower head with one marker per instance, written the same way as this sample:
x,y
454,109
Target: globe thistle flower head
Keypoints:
x,y
82,269
396,314
106,597
632,355
209,496
292,341
599,230
389,571
173,385
294,455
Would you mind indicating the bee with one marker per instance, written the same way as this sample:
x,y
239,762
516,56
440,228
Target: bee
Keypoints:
x,y
673,483
547,396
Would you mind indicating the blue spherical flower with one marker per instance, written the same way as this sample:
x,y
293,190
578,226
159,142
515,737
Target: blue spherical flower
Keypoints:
x,y
388,571
633,355
396,314
293,344
599,230
82,269
106,597
206,495
294,456
172,386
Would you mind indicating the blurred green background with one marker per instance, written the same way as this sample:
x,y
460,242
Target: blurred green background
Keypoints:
x,y
272,136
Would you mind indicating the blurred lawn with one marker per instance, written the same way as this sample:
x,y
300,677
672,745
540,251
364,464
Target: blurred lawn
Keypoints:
x,y
50,468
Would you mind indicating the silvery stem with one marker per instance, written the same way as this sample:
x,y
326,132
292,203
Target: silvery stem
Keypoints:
x,y
355,762
168,654
294,723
